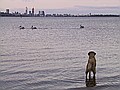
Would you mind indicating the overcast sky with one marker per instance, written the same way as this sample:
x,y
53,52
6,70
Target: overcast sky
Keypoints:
x,y
59,5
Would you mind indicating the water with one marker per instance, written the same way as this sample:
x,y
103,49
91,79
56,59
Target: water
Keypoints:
x,y
53,57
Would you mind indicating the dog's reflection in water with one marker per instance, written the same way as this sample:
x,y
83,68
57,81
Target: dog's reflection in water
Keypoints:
x,y
91,82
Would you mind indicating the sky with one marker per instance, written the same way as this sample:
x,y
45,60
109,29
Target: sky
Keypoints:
x,y
63,6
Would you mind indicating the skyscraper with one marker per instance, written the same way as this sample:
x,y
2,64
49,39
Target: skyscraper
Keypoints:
x,y
26,11
41,13
7,11
33,11
30,13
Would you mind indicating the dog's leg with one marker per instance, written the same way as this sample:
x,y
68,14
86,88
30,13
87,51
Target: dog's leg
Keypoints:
x,y
94,74
89,75
86,75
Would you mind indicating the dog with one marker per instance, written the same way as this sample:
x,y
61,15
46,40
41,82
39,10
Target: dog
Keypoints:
x,y
91,65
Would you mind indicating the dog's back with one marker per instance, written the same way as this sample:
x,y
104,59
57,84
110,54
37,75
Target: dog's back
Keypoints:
x,y
91,64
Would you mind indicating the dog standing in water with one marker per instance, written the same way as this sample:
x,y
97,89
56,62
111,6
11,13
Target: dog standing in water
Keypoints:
x,y
91,65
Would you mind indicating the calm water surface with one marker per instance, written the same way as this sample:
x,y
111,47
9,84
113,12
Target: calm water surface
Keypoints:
x,y
53,57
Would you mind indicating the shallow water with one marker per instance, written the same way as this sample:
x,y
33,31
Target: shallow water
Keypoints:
x,y
53,57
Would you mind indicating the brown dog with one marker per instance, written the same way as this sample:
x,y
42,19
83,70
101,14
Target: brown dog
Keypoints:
x,y
91,65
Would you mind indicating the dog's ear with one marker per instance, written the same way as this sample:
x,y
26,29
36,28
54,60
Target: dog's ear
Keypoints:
x,y
91,52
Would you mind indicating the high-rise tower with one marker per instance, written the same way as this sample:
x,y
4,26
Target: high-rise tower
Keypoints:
x,y
26,11
33,11
7,11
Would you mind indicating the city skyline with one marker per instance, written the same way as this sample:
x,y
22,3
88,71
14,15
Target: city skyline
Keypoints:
x,y
64,6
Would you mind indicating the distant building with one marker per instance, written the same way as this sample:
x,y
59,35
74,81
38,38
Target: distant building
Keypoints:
x,y
90,14
30,14
7,11
26,11
41,13
33,11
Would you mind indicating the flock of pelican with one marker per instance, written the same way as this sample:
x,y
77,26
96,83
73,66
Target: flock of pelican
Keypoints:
x,y
33,27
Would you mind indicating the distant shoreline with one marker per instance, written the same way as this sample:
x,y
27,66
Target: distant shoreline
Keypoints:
x,y
59,15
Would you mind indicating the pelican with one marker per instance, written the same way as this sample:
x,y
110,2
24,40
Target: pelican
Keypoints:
x,y
81,26
21,27
33,27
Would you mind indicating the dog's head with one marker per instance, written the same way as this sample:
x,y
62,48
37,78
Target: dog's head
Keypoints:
x,y
91,53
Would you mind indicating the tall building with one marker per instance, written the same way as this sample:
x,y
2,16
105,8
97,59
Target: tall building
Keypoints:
x,y
30,13
41,13
7,11
26,11
33,11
